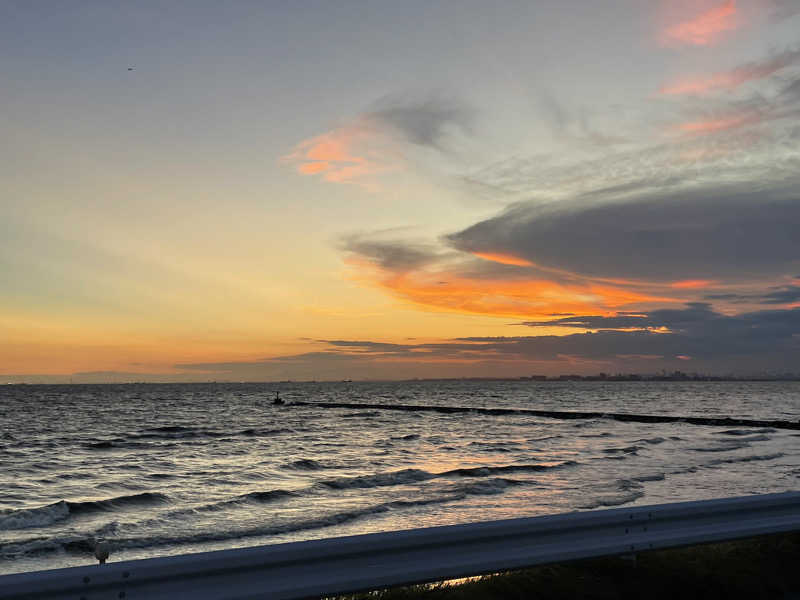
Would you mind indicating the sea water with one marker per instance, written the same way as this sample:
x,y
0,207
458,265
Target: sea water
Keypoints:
x,y
157,470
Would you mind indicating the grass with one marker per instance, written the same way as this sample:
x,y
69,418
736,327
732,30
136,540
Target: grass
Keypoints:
x,y
758,568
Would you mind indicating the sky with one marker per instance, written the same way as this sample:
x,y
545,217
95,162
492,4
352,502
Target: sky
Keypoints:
x,y
252,191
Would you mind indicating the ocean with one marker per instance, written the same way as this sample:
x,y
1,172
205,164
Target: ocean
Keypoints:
x,y
157,470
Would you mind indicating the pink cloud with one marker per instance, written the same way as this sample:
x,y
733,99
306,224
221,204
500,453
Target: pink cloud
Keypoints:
x,y
719,124
728,80
703,29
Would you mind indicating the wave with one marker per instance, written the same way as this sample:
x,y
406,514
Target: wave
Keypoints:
x,y
176,432
487,487
379,479
485,471
257,497
652,441
406,476
628,450
43,516
366,413
722,461
27,518
725,447
115,443
622,491
304,464
544,438
109,504
495,446
82,544
745,431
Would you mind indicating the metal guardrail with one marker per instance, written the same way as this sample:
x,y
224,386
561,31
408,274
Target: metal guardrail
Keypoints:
x,y
346,564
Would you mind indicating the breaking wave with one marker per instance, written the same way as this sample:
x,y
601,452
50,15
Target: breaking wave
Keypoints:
x,y
44,516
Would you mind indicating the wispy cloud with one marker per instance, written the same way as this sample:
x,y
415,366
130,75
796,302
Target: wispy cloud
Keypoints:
x,y
783,9
721,123
728,80
373,142
741,113
342,155
427,122
390,254
788,295
705,28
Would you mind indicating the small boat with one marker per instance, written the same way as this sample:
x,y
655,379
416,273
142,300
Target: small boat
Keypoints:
x,y
278,400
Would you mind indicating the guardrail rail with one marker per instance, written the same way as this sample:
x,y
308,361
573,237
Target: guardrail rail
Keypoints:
x,y
362,562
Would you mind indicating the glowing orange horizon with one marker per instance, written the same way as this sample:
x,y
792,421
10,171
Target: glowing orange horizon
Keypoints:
x,y
705,28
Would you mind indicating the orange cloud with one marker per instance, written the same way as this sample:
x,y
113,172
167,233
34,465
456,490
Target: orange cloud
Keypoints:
x,y
704,29
342,155
692,284
504,259
530,298
312,168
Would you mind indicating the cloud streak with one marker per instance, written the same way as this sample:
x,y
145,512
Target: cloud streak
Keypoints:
x,y
704,29
729,80
342,155
373,143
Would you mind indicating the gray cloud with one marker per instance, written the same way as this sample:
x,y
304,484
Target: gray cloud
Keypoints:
x,y
573,126
425,122
393,255
733,232
784,295
683,320
769,337
776,295
784,9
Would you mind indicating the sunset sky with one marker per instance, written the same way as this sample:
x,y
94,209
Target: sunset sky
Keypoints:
x,y
327,190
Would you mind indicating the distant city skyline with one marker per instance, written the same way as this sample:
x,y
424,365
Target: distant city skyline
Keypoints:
x,y
327,191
